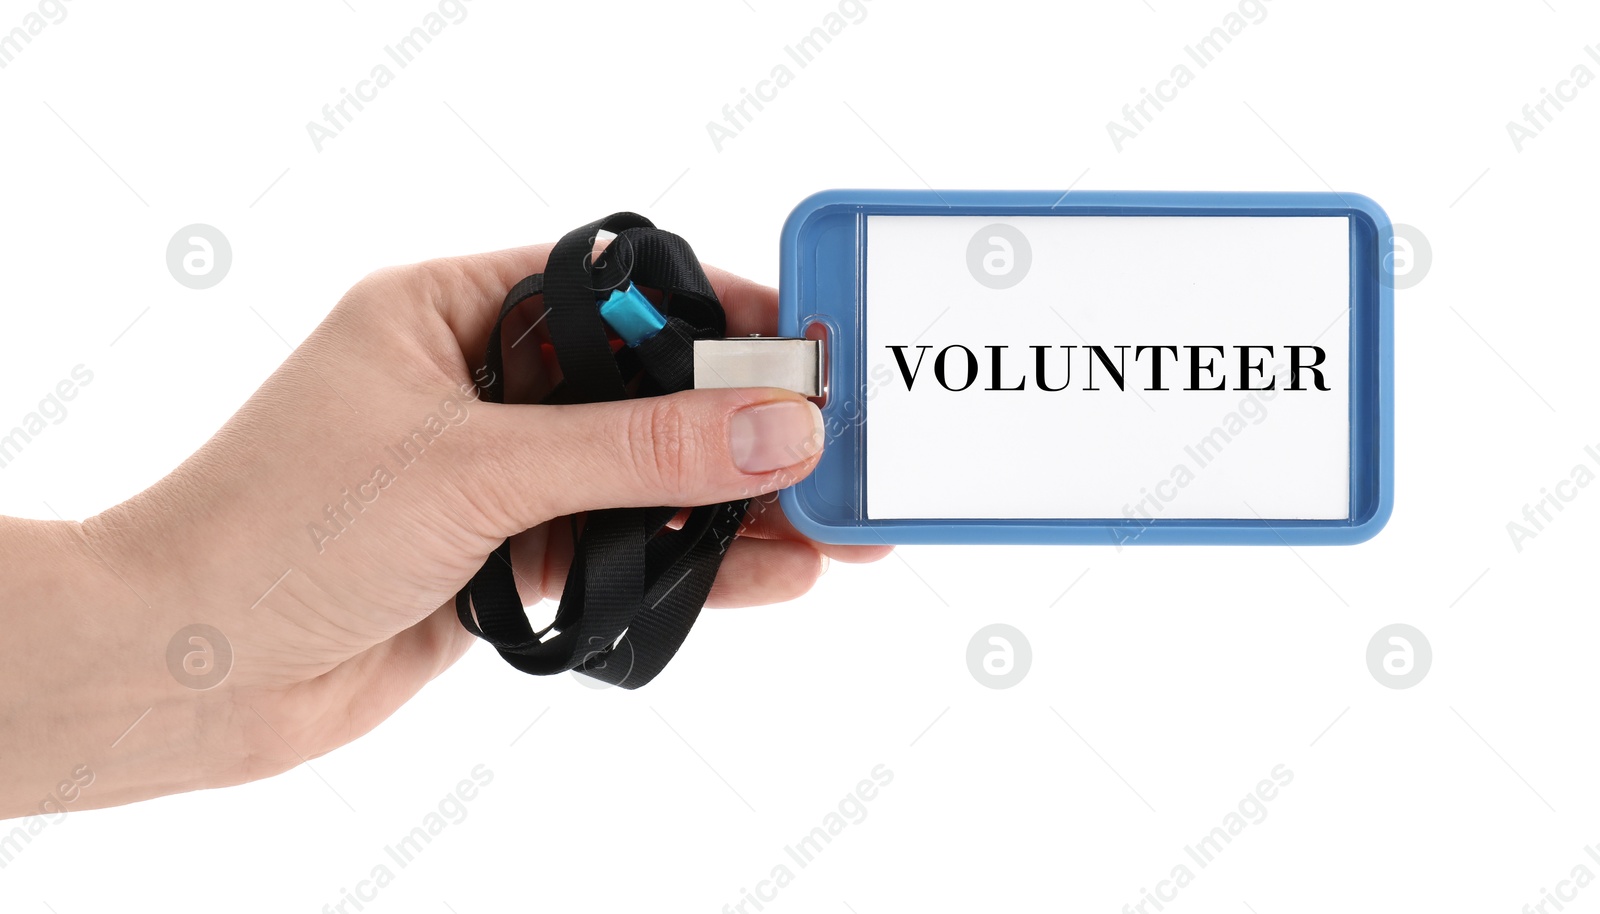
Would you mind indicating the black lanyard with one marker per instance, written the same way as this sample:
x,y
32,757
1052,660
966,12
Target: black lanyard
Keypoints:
x,y
635,587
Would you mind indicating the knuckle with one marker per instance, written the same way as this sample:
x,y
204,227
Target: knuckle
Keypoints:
x,y
425,282
442,278
664,442
384,280
378,291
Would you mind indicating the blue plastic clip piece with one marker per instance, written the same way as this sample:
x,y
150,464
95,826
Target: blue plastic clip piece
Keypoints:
x,y
631,315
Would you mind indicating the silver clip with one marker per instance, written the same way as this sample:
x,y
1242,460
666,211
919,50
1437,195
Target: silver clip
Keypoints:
x,y
760,361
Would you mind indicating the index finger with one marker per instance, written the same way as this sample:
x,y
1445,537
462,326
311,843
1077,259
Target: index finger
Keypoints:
x,y
467,291
751,307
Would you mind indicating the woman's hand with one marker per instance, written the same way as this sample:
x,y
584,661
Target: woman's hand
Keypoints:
x,y
321,535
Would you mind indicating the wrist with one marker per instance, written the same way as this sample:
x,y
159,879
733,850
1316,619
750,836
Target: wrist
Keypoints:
x,y
86,718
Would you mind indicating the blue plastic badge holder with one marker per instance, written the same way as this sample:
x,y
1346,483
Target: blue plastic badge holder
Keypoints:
x,y
823,282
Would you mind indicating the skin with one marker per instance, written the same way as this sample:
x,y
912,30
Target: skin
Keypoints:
x,y
329,637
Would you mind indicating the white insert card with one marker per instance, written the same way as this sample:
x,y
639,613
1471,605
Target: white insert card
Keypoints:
x,y
1139,367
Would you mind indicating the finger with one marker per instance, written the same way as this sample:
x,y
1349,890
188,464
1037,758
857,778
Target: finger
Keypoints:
x,y
764,519
468,291
757,572
357,695
543,555
750,306
529,362
539,561
698,447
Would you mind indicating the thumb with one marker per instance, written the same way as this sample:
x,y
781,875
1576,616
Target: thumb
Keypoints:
x,y
697,447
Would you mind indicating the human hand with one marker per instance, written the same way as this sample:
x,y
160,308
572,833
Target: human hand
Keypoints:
x,y
326,528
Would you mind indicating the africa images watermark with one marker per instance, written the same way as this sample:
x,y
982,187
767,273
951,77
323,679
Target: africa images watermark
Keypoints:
x,y
52,811
1252,810
199,656
451,810
47,13
999,656
1566,890
339,515
736,116
52,410
1154,499
851,810
336,116
1539,515
1537,115
1137,115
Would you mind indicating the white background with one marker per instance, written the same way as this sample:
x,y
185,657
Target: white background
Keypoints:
x,y
1181,676
1109,281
